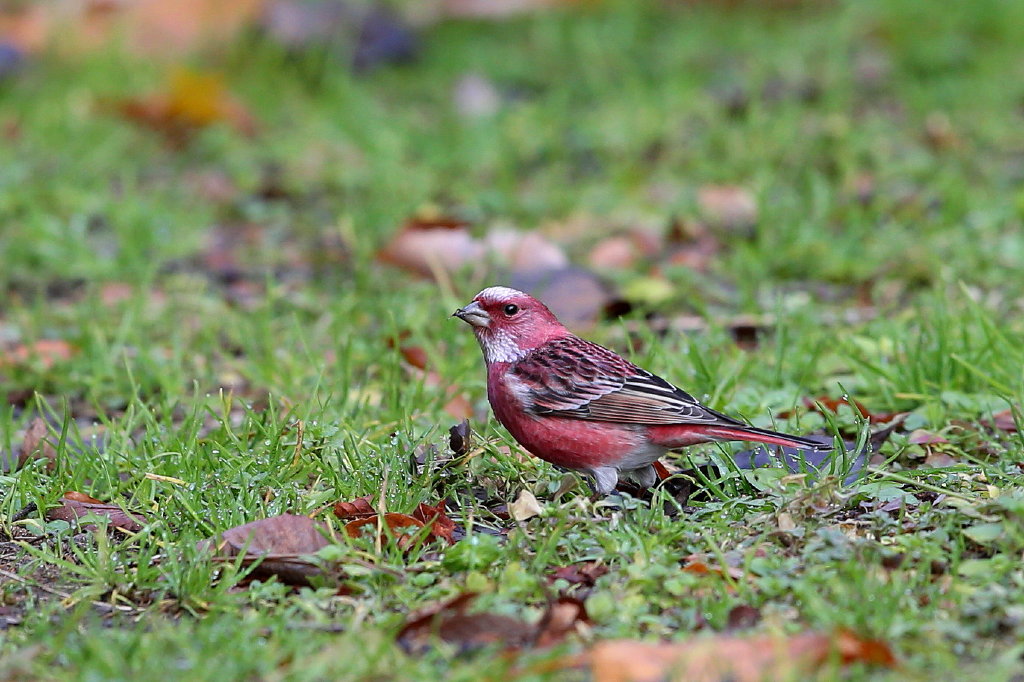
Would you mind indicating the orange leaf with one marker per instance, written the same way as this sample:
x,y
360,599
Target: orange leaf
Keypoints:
x,y
393,522
436,518
192,100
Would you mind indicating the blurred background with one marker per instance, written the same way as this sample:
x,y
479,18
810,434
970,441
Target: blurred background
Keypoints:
x,y
677,159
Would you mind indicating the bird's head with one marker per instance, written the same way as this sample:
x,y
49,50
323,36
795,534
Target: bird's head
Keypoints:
x,y
509,323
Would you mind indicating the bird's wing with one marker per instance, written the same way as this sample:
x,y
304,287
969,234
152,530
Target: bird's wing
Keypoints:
x,y
574,378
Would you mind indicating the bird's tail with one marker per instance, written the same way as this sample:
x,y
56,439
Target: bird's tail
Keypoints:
x,y
756,435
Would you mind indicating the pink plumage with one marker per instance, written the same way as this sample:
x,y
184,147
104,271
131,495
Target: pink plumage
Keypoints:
x,y
583,407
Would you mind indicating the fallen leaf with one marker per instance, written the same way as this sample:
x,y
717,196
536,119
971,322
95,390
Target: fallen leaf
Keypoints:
x,y
45,352
80,497
724,657
1003,421
728,207
525,507
357,508
562,617
437,520
460,438
922,437
585,573
449,622
76,505
280,543
191,101
35,446
429,245
939,460
524,252
743,617
619,252
698,564
389,523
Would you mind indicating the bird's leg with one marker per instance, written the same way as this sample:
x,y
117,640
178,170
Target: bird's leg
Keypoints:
x,y
645,477
604,479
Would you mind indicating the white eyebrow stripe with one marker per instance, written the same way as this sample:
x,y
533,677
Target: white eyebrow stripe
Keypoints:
x,y
499,293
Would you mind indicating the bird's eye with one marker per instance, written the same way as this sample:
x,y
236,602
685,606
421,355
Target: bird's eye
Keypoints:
x,y
511,309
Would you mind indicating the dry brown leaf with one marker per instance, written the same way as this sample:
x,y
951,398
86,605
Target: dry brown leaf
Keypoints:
x,y
585,573
35,445
430,245
524,252
449,622
615,253
922,437
437,520
357,508
460,438
742,659
1003,421
281,542
75,496
742,617
46,352
426,245
389,523
75,505
939,460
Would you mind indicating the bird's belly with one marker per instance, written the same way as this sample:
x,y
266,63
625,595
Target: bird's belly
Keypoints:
x,y
579,444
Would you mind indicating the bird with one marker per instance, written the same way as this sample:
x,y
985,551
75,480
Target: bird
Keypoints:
x,y
584,407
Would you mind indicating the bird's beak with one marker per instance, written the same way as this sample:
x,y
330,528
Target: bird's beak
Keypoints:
x,y
473,314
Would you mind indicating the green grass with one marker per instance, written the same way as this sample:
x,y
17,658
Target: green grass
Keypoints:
x,y
617,115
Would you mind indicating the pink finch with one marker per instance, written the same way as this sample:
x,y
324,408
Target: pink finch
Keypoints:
x,y
581,406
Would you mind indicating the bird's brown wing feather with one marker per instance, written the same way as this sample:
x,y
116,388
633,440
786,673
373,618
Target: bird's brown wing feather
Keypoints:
x,y
575,378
